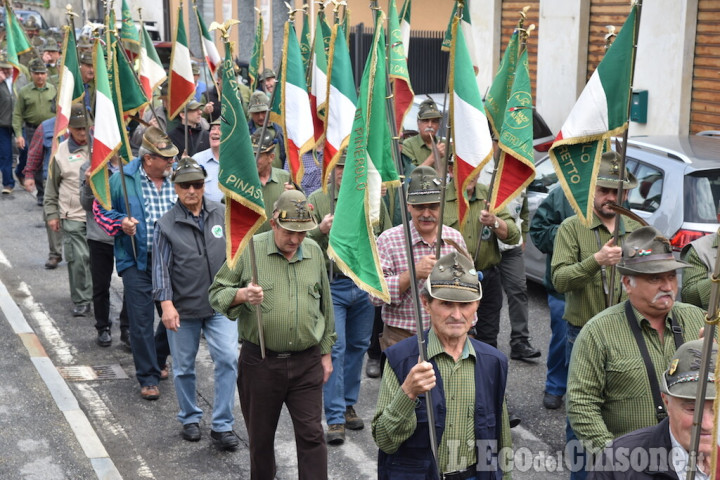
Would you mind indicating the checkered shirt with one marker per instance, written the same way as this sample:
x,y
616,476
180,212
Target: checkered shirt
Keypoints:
x,y
400,312
157,202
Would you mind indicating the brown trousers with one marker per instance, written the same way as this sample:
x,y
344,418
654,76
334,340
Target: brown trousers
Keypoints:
x,y
392,335
264,386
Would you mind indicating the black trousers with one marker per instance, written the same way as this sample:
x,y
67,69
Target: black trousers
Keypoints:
x,y
102,262
374,351
488,324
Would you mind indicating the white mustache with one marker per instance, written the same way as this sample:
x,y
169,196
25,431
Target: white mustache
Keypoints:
x,y
427,219
660,295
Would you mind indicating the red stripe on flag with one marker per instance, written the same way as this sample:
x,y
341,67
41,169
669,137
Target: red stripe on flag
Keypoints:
x,y
462,171
241,221
318,124
514,174
328,153
181,90
100,152
295,162
403,99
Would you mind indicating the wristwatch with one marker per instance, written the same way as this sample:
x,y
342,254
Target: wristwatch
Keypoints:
x,y
496,225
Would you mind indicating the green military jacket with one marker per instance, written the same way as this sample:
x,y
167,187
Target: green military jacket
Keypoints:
x,y
489,255
576,273
33,106
297,306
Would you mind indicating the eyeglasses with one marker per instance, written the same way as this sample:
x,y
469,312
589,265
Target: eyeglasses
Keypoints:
x,y
166,159
195,185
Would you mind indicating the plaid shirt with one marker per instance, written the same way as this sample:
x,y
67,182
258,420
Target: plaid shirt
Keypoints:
x,y
400,312
157,202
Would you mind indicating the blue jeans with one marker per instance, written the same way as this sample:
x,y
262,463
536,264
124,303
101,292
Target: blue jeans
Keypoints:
x,y
571,335
577,454
147,345
354,315
557,368
6,157
221,335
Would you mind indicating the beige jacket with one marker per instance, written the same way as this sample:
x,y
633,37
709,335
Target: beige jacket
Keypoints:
x,y
62,191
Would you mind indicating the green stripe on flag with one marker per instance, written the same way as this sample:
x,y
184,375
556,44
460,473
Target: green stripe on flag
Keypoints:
x,y
352,243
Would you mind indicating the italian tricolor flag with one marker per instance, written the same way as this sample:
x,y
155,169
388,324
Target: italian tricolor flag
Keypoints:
x,y
291,107
340,109
212,56
182,84
70,87
473,143
107,132
600,112
151,73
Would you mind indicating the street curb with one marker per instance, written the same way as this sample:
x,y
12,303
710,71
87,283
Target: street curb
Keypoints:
x,y
60,391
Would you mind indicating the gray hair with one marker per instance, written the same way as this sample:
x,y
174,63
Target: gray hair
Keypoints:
x,y
424,292
631,281
142,151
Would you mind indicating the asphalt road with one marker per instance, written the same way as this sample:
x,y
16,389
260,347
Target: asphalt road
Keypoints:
x,y
112,433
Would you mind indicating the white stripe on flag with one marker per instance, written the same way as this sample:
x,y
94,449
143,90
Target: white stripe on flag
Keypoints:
x,y
296,101
590,114
475,143
374,183
183,68
107,131
318,84
341,115
212,52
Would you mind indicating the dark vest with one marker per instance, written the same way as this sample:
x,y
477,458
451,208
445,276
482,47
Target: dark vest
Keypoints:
x,y
414,460
196,256
48,133
6,105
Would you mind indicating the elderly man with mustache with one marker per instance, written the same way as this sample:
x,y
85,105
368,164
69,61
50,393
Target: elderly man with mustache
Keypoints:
x,y
423,198
620,354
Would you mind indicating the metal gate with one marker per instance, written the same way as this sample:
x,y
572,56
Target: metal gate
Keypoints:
x,y
427,63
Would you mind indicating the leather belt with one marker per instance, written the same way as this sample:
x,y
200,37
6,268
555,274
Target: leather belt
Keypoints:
x,y
272,353
469,472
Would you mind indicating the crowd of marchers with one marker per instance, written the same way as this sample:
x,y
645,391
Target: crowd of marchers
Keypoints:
x,y
623,357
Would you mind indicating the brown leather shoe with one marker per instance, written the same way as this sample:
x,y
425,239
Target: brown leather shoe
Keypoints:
x,y
52,263
165,372
335,434
150,392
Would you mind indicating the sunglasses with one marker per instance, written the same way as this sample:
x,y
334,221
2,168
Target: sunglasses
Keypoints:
x,y
195,185
165,159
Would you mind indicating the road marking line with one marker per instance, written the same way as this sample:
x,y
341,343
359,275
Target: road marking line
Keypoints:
x,y
64,399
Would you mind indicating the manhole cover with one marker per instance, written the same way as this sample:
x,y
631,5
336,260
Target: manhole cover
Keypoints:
x,y
83,373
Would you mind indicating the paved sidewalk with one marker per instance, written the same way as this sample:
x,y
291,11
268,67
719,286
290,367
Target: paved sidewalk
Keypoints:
x,y
45,434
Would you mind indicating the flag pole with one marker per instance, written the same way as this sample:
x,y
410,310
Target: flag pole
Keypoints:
x,y
611,298
415,291
251,245
711,319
